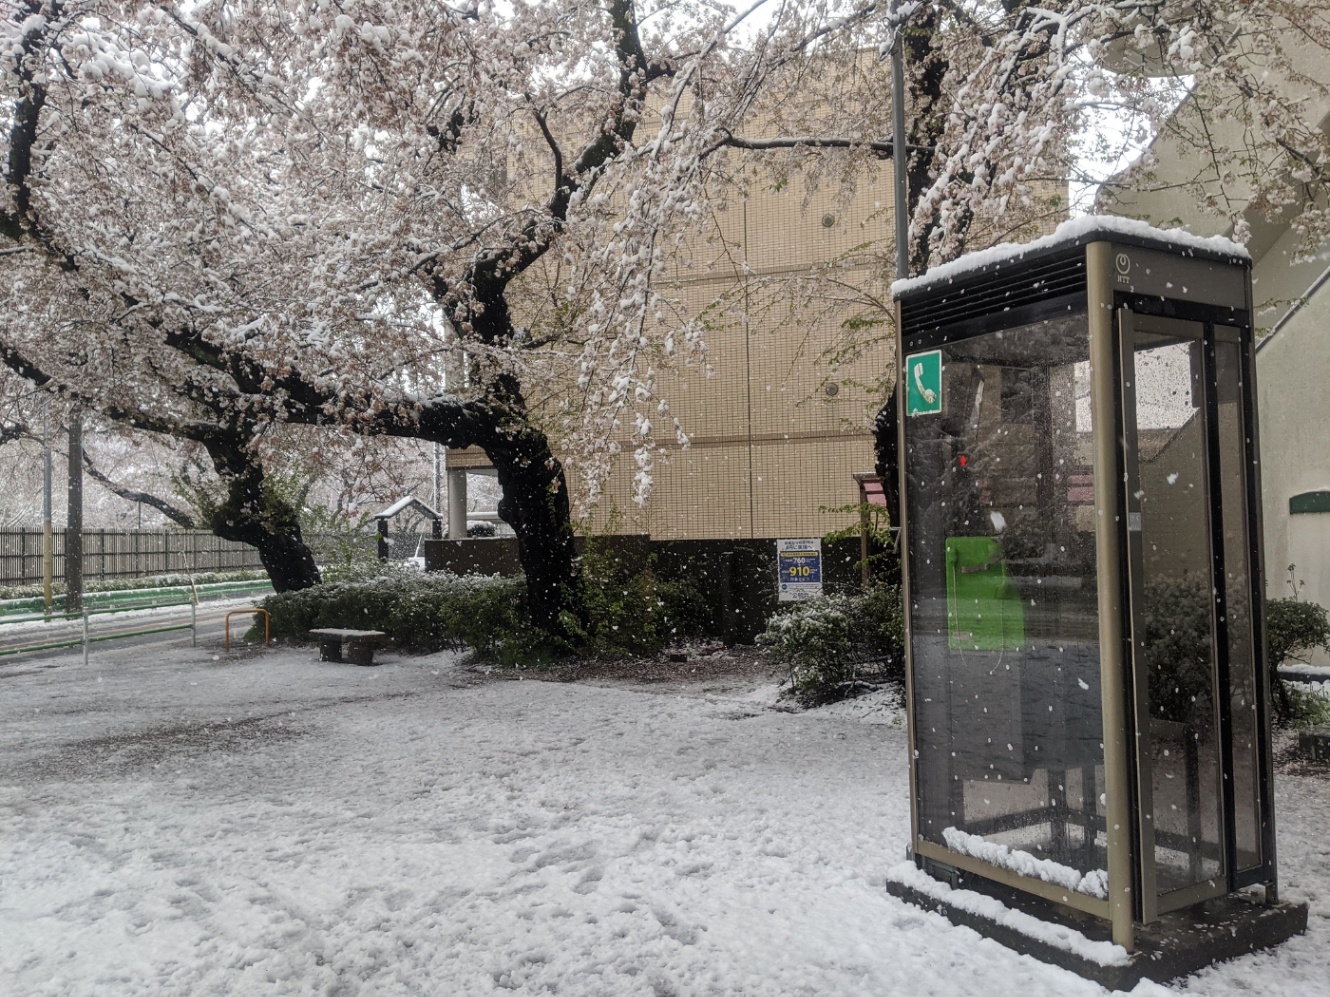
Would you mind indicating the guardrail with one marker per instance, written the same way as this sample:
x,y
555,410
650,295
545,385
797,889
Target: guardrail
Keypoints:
x,y
253,611
87,638
35,607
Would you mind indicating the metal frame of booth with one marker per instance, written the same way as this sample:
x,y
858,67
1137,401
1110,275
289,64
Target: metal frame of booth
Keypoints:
x,y
1179,311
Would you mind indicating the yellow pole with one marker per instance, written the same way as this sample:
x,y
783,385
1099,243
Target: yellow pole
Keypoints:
x,y
48,554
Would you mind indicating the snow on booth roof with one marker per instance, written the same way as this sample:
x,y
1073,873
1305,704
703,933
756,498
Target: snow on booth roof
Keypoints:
x,y
1077,232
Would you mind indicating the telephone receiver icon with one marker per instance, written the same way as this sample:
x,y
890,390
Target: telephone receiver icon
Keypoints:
x,y
929,394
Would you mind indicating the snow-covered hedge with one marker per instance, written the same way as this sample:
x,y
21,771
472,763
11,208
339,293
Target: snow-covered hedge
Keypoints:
x,y
418,613
629,612
1293,626
136,582
830,644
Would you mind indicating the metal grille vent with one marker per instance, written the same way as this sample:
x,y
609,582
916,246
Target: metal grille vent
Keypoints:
x,y
1011,285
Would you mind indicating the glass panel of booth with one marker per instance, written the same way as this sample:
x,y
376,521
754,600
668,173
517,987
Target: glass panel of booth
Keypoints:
x,y
1169,511
1003,605
1242,662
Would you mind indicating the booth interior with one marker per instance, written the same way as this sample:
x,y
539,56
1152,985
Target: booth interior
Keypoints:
x,y
1003,597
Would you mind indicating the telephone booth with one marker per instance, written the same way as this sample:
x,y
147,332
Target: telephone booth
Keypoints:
x,y
1082,561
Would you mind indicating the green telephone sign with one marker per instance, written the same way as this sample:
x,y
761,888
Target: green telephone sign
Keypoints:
x,y
923,383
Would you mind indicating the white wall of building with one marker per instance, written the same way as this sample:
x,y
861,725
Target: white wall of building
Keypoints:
x,y
1293,384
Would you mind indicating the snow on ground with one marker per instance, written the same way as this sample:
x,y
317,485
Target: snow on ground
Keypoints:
x,y
173,822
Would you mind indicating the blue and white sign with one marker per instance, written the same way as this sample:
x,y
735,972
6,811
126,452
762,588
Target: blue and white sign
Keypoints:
x,y
799,568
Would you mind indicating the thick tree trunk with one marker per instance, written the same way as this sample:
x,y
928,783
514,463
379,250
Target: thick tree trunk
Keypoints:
x,y
251,514
535,504
535,499
288,561
282,549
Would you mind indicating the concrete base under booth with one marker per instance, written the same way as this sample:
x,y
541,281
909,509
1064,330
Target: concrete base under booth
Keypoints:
x,y
1176,945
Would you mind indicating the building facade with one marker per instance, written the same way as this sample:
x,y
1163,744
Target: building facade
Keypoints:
x,y
791,288
1291,288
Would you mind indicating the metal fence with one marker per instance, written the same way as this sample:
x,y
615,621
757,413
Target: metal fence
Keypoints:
x,y
115,554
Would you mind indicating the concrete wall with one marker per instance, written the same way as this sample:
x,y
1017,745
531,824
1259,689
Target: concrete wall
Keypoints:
x,y
1293,381
1293,366
739,575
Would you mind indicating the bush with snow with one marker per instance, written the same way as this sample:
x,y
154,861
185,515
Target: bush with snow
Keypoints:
x,y
629,612
1293,626
833,644
418,613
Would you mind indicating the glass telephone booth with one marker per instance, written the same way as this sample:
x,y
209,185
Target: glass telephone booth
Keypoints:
x,y
1087,694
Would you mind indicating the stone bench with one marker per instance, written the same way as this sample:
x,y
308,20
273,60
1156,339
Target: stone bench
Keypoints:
x,y
1314,744
359,644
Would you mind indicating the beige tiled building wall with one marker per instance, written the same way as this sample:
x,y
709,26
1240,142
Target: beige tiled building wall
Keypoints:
x,y
778,428
784,422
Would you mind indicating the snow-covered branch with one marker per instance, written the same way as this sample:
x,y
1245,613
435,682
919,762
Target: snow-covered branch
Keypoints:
x,y
181,517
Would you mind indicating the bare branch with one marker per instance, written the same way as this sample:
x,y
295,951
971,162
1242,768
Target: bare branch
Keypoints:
x,y
177,515
883,149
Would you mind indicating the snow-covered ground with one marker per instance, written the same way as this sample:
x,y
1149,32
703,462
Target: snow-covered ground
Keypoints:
x,y
172,822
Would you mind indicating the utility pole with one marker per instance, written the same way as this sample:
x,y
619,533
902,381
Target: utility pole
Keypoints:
x,y
74,516
900,157
48,541
899,154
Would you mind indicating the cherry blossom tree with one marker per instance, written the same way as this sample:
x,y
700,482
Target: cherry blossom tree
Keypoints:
x,y
107,249
306,213
447,222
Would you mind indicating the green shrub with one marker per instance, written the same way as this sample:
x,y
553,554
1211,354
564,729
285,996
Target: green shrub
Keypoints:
x,y
624,614
1178,649
883,561
418,612
686,613
346,556
632,610
1307,709
629,612
831,643
1292,625
490,618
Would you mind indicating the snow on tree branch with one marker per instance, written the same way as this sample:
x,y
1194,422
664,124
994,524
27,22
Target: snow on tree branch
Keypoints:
x,y
451,221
